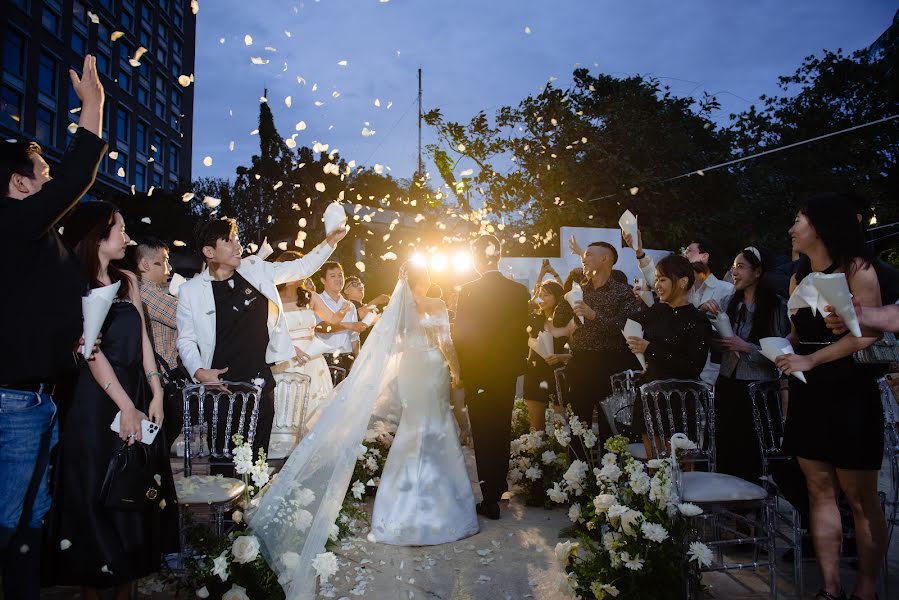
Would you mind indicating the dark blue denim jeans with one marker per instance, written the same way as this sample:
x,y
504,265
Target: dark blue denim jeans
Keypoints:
x,y
27,434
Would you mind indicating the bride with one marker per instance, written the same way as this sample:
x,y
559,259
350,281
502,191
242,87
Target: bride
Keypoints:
x,y
403,375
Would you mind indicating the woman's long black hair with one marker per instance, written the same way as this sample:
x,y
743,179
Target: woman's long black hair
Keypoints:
x,y
766,303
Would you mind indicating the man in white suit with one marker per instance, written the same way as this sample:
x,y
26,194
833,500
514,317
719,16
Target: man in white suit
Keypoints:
x,y
230,318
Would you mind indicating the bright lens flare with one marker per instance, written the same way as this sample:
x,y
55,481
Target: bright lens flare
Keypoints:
x,y
419,260
439,262
462,262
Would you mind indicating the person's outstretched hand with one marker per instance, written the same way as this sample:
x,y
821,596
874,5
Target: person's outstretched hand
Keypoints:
x,y
89,89
337,235
835,322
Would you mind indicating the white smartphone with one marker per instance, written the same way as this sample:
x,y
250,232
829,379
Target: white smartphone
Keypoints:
x,y
148,432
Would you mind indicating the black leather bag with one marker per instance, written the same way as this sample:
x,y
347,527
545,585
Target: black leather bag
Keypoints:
x,y
130,482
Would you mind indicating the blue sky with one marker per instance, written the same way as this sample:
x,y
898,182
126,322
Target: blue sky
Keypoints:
x,y
477,55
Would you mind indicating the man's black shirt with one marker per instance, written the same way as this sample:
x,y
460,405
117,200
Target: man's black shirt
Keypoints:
x,y
40,305
241,330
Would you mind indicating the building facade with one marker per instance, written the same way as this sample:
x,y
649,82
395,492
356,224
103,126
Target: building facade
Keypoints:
x,y
148,116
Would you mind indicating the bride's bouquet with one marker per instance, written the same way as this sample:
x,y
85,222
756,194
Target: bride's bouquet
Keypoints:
x,y
632,532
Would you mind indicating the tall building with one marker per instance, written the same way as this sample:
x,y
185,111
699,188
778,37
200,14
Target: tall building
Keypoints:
x,y
148,116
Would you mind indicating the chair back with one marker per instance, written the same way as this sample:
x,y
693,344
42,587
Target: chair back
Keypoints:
x,y
618,407
769,419
338,374
561,386
890,495
291,399
680,406
215,407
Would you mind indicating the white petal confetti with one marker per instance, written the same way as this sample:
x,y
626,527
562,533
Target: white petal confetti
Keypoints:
x,y
116,35
184,80
288,101
211,202
342,63
282,245
248,40
113,155
207,161
527,30
301,125
146,220
361,266
179,243
320,186
187,197
258,60
65,544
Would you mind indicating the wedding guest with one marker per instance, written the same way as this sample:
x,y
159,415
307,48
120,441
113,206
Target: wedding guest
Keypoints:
x,y
834,421
676,335
490,336
90,544
41,324
354,291
597,347
224,329
539,379
343,337
160,307
754,312
878,318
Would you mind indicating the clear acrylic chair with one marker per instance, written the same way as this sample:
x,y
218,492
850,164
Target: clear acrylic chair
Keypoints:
x,y
289,423
769,419
213,414
889,488
561,387
685,406
619,408
338,374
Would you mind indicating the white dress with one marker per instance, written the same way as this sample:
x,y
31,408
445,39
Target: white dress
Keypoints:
x,y
288,410
425,495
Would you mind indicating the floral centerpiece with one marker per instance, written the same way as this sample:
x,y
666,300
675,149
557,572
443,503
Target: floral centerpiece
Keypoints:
x,y
632,532
537,460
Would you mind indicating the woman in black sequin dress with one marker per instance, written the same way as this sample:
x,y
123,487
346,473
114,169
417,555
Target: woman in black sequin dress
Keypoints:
x,y
835,422
676,334
539,376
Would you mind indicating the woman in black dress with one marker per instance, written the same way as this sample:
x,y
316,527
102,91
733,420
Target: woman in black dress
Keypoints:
x,y
539,379
755,312
91,545
676,334
835,421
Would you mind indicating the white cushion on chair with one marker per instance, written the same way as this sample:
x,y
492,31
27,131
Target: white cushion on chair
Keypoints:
x,y
719,487
638,451
208,489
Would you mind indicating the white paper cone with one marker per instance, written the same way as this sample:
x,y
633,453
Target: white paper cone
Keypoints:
x,y
370,318
647,298
834,290
575,295
722,324
634,329
176,283
772,347
545,344
628,224
335,218
265,250
94,308
805,295
316,347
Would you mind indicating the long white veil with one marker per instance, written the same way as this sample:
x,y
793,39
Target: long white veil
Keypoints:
x,y
294,517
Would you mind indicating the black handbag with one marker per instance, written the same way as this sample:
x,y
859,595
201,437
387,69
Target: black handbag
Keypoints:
x,y
130,482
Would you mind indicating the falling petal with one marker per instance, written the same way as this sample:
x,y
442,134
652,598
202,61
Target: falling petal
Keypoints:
x,y
146,220
361,266
248,40
301,125
113,155
527,30
634,191
184,80
288,101
207,161
116,35
121,172
342,63
65,544
187,197
94,18
320,186
282,245
211,202
258,60
179,243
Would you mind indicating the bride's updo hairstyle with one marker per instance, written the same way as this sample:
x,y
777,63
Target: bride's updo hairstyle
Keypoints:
x,y
416,273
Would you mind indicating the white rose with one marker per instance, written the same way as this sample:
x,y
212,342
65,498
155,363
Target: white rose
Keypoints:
x,y
629,520
334,532
358,490
237,516
533,473
556,494
548,457
640,483
564,552
610,473
290,562
602,502
220,566
236,593
303,519
245,549
574,513
325,565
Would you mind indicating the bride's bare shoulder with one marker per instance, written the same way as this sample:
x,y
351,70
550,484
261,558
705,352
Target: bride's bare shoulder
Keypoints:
x,y
430,305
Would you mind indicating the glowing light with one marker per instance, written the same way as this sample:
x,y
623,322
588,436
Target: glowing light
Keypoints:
x,y
462,262
873,221
439,262
419,260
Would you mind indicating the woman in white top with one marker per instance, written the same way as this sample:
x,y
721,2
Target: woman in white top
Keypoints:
x,y
301,305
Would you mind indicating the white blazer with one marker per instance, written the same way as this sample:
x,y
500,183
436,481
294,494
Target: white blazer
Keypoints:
x,y
196,307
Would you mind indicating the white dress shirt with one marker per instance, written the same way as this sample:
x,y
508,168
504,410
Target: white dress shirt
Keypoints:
x,y
342,340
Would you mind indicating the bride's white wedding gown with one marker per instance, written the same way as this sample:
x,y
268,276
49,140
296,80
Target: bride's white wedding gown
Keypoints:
x,y
425,496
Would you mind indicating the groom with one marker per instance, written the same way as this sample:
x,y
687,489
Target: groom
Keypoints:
x,y
490,336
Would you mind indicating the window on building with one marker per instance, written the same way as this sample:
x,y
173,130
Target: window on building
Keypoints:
x,y
140,177
79,43
143,95
44,126
103,36
157,180
120,166
177,48
125,53
140,136
174,121
107,4
127,20
10,108
159,108
123,125
159,145
103,64
21,4
79,12
14,53
178,19
164,5
146,14
74,102
160,86
46,75
176,69
174,158
107,103
125,80
145,37
51,20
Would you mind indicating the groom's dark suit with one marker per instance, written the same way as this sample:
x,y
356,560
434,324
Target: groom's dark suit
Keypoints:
x,y
490,335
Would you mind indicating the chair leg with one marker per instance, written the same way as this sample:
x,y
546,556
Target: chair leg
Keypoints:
x,y
770,523
797,555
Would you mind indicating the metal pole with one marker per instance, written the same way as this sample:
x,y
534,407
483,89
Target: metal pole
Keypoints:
x,y
420,173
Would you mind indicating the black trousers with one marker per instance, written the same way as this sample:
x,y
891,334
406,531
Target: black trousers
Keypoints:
x,y
490,412
587,376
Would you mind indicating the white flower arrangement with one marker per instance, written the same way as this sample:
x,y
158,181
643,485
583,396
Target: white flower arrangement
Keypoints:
x,y
242,457
536,458
632,530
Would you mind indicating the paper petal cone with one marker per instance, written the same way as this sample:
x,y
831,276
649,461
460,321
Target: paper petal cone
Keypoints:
x,y
370,318
805,295
628,224
647,298
634,329
544,344
316,347
94,308
722,323
772,347
834,290
575,295
265,250
176,283
335,218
